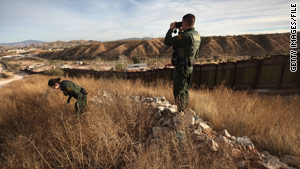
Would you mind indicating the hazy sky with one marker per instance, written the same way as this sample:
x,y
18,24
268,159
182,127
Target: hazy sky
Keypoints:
x,y
51,20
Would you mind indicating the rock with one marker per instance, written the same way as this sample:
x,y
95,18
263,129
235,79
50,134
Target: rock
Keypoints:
x,y
149,100
160,131
174,107
159,100
157,115
266,153
273,163
204,126
236,152
198,131
166,123
291,161
244,141
170,110
162,98
213,146
161,120
233,138
193,112
161,108
221,139
195,120
225,133
167,104
153,104
176,121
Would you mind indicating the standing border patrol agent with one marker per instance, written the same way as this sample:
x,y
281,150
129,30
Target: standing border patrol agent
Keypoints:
x,y
72,90
185,51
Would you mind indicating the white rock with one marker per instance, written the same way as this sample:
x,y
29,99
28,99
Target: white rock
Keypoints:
x,y
244,141
160,131
213,145
161,108
273,163
233,138
198,131
167,104
225,133
174,107
195,120
204,126
221,139
193,112
170,110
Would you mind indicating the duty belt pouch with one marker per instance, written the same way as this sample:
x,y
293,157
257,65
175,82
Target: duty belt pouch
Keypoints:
x,y
83,91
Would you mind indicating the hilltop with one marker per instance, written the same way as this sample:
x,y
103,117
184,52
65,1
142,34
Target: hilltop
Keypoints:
x,y
241,45
20,44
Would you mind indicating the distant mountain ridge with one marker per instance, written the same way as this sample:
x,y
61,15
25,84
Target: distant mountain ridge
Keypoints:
x,y
20,44
241,45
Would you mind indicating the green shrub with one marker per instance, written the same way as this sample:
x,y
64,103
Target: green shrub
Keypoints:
x,y
136,59
119,67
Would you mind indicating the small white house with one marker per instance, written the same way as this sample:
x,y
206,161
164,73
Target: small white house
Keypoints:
x,y
137,67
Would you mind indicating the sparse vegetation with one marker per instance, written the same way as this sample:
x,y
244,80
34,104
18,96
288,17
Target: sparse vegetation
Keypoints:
x,y
119,67
54,72
136,59
39,130
5,75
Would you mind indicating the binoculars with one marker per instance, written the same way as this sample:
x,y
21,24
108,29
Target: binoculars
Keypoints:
x,y
177,25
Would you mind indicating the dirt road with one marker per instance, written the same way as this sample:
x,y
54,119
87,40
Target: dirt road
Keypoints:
x,y
15,77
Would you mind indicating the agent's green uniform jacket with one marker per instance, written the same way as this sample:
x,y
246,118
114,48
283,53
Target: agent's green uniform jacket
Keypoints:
x,y
73,90
187,46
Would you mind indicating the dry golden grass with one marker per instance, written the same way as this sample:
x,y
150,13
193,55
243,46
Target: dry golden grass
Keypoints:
x,y
272,123
39,130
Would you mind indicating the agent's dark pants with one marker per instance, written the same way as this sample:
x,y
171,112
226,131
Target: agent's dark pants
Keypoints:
x,y
81,103
181,82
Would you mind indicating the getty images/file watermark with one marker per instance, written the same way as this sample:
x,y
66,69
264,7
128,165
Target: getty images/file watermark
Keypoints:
x,y
293,38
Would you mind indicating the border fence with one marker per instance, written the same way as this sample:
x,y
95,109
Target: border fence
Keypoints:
x,y
267,73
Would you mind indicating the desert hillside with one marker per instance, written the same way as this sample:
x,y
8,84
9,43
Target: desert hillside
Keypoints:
x,y
129,125
242,45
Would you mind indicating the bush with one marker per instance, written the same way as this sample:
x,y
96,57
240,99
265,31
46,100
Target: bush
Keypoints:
x,y
136,60
119,67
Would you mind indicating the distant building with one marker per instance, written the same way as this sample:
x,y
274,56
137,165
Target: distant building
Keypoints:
x,y
13,56
137,67
65,66
79,62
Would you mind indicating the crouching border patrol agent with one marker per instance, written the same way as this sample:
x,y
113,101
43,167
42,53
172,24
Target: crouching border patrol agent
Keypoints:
x,y
72,90
186,47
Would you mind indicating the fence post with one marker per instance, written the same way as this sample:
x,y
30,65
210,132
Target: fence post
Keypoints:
x,y
234,75
199,80
216,74
258,73
281,73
